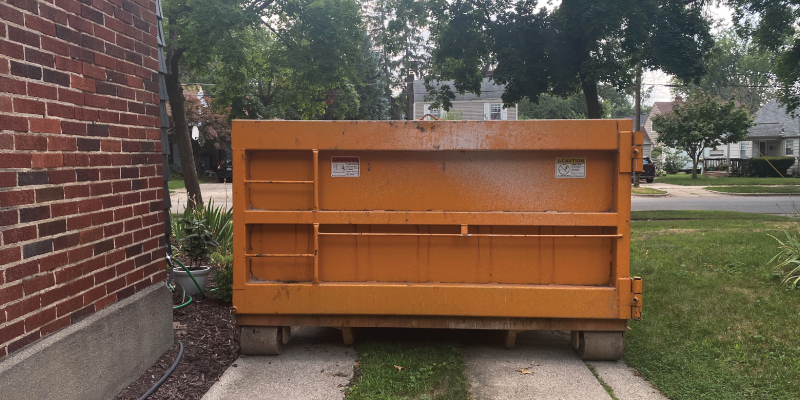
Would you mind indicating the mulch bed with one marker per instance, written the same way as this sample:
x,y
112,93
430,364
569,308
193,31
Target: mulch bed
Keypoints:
x,y
206,328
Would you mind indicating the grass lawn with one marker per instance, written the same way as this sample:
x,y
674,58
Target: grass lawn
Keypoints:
x,y
180,184
429,370
645,190
717,324
702,180
756,189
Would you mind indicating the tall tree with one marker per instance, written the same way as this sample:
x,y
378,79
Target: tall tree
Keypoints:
x,y
773,26
736,67
703,121
574,48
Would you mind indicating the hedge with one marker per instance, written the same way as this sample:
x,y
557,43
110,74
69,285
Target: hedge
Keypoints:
x,y
761,165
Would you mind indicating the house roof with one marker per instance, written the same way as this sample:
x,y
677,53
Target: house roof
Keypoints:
x,y
489,91
646,136
665,106
772,120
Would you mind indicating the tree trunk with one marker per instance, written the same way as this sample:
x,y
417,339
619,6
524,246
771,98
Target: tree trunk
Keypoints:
x,y
694,167
592,103
637,113
177,104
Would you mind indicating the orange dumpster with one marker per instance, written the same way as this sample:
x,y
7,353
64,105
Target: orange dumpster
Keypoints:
x,y
507,225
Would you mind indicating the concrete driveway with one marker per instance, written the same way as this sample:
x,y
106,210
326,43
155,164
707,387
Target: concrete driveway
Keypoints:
x,y
220,193
316,365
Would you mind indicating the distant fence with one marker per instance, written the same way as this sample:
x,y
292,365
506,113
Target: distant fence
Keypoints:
x,y
737,166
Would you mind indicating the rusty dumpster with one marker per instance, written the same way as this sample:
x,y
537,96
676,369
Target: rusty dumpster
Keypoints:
x,y
506,225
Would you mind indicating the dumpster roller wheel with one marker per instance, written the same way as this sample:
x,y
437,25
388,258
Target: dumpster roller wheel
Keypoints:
x,y
599,346
261,340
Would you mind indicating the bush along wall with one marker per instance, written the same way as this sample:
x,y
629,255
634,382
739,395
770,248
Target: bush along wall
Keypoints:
x,y
761,165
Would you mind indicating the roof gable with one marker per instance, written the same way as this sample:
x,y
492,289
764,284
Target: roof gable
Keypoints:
x,y
772,120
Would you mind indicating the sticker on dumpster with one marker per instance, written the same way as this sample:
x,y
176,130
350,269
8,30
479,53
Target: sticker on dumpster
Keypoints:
x,y
570,167
344,167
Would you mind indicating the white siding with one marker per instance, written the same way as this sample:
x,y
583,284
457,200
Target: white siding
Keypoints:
x,y
648,124
469,110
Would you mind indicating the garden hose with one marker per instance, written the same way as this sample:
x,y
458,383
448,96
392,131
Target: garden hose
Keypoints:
x,y
166,375
172,289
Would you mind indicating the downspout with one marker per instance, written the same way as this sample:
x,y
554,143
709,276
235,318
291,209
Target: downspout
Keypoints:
x,y
162,106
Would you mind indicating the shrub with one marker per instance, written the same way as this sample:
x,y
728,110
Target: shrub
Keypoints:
x,y
787,261
222,276
674,161
763,166
197,241
218,221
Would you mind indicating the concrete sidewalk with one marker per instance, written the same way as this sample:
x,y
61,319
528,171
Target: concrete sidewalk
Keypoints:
x,y
316,365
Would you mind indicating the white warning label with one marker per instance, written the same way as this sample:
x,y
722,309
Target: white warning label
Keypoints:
x,y
570,167
346,167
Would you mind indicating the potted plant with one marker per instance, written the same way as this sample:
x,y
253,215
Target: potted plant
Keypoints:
x,y
197,243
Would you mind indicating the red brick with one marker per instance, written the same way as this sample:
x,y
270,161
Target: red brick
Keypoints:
x,y
79,222
42,91
10,293
61,209
69,5
52,14
8,218
23,307
62,176
48,160
93,295
12,331
79,285
55,46
13,123
94,71
60,110
69,65
69,305
30,142
22,36
54,295
54,261
55,325
70,96
30,6
105,302
41,25
12,50
26,106
8,179
38,283
45,125
75,191
20,234
91,235
80,24
76,159
135,82
82,83
80,254
115,285
95,100
17,198
40,318
12,86
11,15
21,271
10,255
85,114
107,116
24,341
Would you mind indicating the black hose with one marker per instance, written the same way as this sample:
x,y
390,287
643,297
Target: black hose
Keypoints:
x,y
164,378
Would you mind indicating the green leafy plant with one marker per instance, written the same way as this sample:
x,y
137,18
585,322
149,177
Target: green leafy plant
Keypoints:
x,y
222,276
218,221
198,239
787,261
674,161
763,166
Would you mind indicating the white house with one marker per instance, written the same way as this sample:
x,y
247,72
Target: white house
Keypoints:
x,y
468,106
776,133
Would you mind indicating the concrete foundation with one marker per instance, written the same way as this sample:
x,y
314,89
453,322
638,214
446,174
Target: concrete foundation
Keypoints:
x,y
95,358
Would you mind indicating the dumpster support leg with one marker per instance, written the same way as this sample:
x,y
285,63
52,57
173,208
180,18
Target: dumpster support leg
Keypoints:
x,y
347,335
511,338
258,340
601,346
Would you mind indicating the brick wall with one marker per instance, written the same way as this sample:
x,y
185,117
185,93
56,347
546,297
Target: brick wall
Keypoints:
x,y
81,186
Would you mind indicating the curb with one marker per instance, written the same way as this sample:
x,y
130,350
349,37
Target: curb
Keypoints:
x,y
650,195
755,194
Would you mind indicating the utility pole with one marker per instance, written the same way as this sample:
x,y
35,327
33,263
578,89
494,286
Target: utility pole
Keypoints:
x,y
637,112
410,90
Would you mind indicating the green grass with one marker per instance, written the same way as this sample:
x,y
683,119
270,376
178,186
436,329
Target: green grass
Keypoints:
x,y
603,383
430,370
644,190
717,324
702,180
756,189
178,183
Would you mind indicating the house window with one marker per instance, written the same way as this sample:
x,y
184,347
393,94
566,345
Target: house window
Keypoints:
x,y
789,147
742,149
494,112
436,112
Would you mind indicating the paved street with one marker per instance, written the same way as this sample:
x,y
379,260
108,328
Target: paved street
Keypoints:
x,y
696,198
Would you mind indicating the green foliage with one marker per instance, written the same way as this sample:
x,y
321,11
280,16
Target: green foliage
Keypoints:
x,y
577,46
772,24
553,107
222,276
702,122
216,224
771,166
787,260
197,241
736,67
674,161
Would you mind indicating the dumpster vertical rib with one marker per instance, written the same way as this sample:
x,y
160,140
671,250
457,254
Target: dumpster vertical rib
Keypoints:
x,y
316,254
316,180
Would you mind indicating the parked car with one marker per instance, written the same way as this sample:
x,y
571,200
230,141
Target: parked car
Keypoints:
x,y
648,170
225,171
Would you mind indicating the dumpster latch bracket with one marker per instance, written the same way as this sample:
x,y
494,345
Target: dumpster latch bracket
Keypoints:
x,y
636,298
